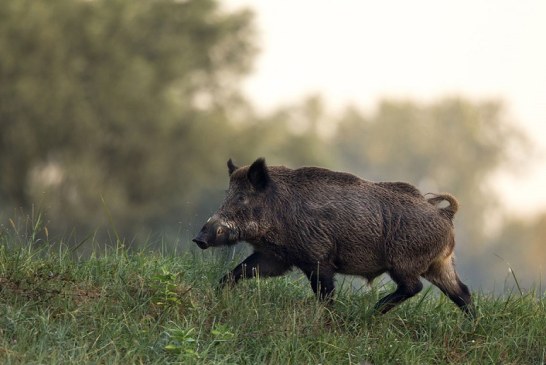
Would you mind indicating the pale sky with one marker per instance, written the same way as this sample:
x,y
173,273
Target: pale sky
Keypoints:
x,y
356,51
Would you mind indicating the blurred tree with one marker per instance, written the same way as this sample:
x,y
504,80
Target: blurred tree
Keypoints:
x,y
116,98
520,244
291,135
451,145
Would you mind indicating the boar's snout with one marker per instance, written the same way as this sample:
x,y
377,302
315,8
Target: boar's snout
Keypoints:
x,y
202,240
213,233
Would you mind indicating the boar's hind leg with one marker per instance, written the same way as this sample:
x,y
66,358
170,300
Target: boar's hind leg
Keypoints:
x,y
254,265
408,286
443,275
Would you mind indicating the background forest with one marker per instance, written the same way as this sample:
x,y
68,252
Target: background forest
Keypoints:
x,y
118,116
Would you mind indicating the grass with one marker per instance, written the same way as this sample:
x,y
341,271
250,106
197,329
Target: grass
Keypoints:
x,y
148,307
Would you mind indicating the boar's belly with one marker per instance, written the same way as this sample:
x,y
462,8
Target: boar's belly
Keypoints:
x,y
358,260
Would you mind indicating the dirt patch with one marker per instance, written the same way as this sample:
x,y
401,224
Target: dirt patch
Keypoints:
x,y
44,289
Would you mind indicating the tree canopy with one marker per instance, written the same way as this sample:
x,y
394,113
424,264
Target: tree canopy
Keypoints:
x,y
115,98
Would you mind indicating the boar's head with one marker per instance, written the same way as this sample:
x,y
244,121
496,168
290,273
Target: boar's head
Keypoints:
x,y
241,215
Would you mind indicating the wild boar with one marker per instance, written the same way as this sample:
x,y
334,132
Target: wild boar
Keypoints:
x,y
325,222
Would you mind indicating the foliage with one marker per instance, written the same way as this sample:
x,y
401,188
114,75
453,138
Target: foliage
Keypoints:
x,y
58,308
114,99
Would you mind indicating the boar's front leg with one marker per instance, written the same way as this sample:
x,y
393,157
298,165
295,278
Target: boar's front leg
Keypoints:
x,y
322,282
256,264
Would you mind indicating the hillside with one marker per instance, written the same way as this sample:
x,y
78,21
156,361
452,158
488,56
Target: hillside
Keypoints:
x,y
121,307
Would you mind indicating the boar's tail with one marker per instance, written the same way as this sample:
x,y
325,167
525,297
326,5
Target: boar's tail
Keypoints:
x,y
448,211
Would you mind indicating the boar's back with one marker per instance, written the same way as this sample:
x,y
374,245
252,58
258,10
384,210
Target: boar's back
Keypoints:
x,y
401,187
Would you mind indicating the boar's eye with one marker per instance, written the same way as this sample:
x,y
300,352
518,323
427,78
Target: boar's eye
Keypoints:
x,y
241,199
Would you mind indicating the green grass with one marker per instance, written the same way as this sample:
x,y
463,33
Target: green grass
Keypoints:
x,y
121,307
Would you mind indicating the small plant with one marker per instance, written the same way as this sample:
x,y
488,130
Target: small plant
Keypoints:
x,y
167,288
182,341
221,333
185,343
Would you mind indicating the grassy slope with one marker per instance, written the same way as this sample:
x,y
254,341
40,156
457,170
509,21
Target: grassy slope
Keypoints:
x,y
153,308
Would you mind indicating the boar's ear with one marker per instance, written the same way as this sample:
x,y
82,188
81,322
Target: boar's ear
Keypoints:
x,y
231,167
258,174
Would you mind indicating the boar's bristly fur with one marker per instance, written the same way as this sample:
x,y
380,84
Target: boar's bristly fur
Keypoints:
x,y
325,222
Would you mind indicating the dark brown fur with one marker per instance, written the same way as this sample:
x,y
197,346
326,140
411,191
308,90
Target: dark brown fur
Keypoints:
x,y
325,222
